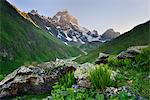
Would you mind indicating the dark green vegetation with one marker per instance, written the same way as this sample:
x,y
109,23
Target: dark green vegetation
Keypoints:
x,y
140,63
63,90
139,35
22,42
61,93
134,72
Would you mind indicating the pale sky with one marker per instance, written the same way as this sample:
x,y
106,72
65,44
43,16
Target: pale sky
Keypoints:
x,y
121,15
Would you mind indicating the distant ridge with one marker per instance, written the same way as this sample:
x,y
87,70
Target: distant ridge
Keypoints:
x,y
138,36
22,42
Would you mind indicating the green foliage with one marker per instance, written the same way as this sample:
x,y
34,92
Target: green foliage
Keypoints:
x,y
23,42
61,93
1,77
67,80
99,97
100,77
143,60
113,62
122,96
126,40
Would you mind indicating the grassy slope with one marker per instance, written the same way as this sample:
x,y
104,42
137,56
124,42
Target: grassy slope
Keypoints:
x,y
25,42
139,35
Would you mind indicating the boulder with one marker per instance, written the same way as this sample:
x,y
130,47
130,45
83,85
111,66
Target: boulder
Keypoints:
x,y
82,73
131,52
23,80
102,59
31,80
85,83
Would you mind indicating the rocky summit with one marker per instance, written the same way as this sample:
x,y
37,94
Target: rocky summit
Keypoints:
x,y
110,34
67,28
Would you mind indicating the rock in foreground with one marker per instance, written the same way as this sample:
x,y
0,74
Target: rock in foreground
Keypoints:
x,y
23,80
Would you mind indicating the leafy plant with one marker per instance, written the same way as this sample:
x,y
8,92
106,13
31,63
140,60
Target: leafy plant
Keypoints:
x,y
1,77
67,80
127,63
143,59
122,96
100,77
61,93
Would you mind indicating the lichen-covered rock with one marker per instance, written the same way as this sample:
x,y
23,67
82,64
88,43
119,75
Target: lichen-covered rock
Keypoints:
x,y
23,80
31,79
81,74
84,83
131,52
82,71
58,63
112,91
102,59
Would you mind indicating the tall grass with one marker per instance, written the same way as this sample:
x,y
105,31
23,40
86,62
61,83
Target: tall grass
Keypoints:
x,y
100,77
67,80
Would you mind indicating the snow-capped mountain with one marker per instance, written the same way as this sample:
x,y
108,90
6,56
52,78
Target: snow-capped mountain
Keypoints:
x,y
66,27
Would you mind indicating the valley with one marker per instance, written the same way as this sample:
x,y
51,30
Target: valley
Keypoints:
x,y
56,58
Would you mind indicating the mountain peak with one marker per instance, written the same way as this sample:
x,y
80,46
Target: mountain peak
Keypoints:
x,y
63,12
64,18
110,34
110,30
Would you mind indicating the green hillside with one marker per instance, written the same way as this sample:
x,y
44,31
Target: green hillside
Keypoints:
x,y
139,35
21,42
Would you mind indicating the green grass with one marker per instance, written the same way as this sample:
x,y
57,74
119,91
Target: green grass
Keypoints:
x,y
26,43
67,80
132,73
100,77
139,35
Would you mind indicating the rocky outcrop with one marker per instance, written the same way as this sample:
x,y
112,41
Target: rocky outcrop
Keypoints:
x,y
131,52
81,74
102,59
23,80
40,78
110,34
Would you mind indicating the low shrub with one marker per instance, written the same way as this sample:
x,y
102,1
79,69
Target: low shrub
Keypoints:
x,y
143,60
126,63
122,96
100,77
61,93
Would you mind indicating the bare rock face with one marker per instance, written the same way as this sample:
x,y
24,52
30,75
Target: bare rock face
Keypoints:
x,y
23,80
110,34
63,18
35,79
